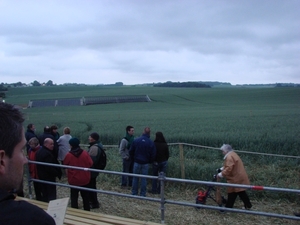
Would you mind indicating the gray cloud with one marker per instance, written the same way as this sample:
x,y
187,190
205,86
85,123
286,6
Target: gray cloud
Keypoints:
x,y
149,41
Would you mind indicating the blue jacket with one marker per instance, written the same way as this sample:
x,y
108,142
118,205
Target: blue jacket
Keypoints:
x,y
142,150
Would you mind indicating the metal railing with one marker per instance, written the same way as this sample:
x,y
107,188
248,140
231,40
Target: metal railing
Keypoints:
x,y
162,179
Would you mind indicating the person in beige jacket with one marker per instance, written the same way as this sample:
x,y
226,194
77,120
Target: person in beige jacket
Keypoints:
x,y
235,173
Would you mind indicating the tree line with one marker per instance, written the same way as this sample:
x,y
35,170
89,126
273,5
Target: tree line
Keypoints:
x,y
183,84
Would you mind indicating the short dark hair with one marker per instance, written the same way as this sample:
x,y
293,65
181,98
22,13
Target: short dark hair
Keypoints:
x,y
11,127
53,127
128,128
47,129
29,126
147,130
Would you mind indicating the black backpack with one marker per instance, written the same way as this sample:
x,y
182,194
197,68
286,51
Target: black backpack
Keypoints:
x,y
101,159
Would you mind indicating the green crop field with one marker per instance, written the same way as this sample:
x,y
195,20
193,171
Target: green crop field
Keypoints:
x,y
263,120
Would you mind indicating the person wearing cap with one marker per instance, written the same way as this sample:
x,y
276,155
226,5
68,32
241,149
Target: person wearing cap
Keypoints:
x,y
81,178
93,150
234,172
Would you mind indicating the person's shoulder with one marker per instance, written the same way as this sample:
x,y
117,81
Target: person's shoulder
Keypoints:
x,y
38,215
68,155
31,214
123,141
93,149
94,146
139,138
85,153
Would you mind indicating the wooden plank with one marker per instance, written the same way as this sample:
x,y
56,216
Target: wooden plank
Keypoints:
x,y
116,220
79,217
80,220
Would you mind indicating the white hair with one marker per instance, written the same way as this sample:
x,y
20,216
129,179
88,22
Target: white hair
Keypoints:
x,y
226,148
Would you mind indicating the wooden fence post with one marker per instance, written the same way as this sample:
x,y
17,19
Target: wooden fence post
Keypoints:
x,y
182,168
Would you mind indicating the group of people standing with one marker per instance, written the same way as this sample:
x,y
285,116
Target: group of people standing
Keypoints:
x,y
137,154
52,148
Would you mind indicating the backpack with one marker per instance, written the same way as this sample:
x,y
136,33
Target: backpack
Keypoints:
x,y
101,159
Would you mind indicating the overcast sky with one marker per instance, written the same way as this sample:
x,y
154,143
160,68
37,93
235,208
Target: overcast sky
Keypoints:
x,y
145,41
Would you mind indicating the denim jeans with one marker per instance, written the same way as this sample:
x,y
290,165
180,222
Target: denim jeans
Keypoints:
x,y
156,169
127,168
139,169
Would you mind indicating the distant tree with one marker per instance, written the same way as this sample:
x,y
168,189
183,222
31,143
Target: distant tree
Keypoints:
x,y
2,88
18,84
36,83
49,83
183,84
119,83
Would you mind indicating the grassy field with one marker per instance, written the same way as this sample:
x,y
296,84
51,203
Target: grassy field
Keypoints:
x,y
265,120
250,119
262,119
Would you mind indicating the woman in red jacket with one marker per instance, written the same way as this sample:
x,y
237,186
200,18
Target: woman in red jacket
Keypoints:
x,y
34,146
80,158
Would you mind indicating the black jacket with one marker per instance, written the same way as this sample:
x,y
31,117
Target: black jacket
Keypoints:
x,y
21,212
42,138
162,152
48,173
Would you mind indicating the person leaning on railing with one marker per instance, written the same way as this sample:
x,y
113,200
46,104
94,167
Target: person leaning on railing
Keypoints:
x,y
12,161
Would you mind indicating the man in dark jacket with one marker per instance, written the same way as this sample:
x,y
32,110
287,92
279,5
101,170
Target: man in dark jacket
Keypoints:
x,y
143,152
29,134
47,134
12,158
47,173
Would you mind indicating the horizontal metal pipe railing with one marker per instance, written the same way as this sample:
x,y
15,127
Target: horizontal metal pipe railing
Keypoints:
x,y
214,148
162,199
253,187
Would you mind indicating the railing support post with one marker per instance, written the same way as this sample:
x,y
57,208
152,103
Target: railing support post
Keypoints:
x,y
29,181
162,179
182,168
